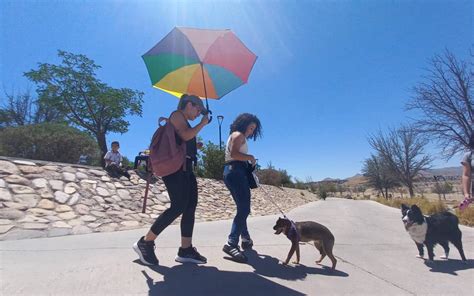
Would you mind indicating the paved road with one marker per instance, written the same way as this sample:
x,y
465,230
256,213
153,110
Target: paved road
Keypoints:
x,y
376,257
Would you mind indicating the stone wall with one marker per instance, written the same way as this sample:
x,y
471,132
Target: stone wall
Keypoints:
x,y
45,199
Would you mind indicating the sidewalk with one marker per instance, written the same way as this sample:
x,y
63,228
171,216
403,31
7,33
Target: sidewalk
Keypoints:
x,y
375,257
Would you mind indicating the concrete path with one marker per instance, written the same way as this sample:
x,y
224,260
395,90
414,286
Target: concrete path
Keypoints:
x,y
375,254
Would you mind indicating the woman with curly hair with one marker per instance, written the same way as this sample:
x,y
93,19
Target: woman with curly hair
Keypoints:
x,y
237,159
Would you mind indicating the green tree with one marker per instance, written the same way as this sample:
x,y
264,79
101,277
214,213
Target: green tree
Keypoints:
x,y
126,162
211,161
73,89
48,141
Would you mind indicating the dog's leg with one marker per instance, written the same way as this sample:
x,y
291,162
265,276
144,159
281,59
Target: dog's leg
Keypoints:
x,y
297,254
318,245
445,246
328,250
292,251
429,247
420,250
457,242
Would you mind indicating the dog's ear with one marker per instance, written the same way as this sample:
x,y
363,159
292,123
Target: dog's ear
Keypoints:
x,y
404,207
279,221
416,210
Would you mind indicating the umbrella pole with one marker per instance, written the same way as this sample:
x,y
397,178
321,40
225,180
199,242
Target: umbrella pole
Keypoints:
x,y
204,82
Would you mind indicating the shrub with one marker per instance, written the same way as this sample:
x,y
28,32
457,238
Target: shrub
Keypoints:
x,y
211,162
269,176
48,141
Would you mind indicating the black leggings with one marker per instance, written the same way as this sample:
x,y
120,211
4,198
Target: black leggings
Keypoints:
x,y
183,193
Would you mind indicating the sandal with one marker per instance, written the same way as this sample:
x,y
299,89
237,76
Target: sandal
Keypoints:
x,y
465,203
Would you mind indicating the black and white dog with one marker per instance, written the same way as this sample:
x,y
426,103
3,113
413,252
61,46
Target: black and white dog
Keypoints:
x,y
440,228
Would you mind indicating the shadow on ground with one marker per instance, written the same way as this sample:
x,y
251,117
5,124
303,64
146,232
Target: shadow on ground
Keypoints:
x,y
449,266
270,267
191,279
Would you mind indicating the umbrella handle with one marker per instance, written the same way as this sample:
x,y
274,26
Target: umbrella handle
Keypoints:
x,y
210,116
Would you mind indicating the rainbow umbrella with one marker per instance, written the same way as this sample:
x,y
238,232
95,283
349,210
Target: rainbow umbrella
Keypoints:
x,y
205,63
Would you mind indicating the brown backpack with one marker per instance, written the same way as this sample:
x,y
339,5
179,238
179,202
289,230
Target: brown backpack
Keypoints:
x,y
166,155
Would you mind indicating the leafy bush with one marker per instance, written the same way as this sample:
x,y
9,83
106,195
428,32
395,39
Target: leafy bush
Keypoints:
x,y
211,162
276,177
48,141
269,176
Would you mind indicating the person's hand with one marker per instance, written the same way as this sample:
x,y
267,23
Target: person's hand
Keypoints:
x,y
199,145
205,119
252,160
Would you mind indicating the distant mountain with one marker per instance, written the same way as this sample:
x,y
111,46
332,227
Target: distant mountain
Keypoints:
x,y
360,179
446,172
330,180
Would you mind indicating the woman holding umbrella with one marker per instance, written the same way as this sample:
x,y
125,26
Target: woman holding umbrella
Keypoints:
x,y
209,64
245,126
181,186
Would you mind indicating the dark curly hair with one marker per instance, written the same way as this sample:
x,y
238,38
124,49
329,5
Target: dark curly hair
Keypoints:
x,y
241,123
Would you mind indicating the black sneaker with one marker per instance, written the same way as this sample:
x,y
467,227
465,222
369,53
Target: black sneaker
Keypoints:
x,y
235,253
146,251
190,255
247,243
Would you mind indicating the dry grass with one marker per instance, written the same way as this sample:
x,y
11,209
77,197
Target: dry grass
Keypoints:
x,y
428,207
466,217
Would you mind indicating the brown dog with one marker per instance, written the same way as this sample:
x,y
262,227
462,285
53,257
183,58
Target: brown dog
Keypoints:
x,y
307,231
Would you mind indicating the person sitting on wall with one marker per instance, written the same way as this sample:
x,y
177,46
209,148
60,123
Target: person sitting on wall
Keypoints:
x,y
142,159
113,162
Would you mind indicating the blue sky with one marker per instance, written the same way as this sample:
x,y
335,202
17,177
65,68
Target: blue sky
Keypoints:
x,y
328,73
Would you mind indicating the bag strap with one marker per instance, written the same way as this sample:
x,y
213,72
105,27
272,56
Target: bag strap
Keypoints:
x,y
180,112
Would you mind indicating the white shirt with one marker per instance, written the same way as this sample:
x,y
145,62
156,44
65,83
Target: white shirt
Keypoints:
x,y
114,157
243,149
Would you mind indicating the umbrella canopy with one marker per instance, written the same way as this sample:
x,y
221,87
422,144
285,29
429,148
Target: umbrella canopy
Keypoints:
x,y
205,63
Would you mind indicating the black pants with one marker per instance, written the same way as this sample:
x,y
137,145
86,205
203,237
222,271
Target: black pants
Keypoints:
x,y
183,193
139,159
116,172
